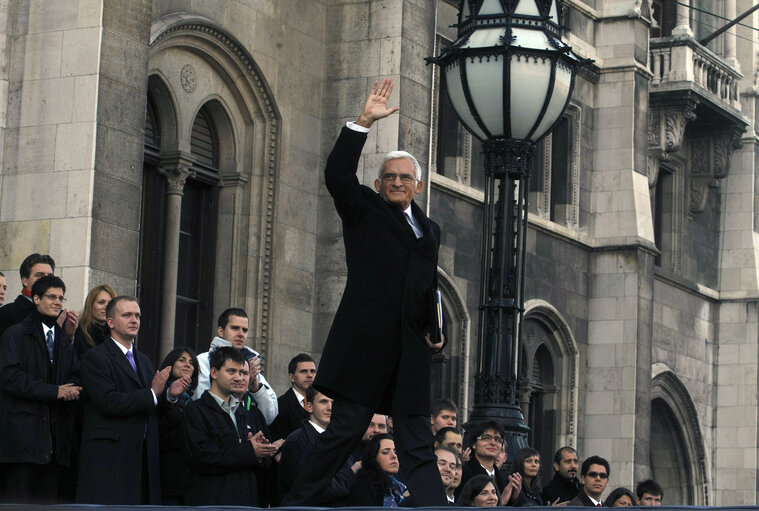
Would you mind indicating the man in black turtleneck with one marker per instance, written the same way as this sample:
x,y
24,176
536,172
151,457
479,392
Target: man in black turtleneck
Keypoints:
x,y
38,384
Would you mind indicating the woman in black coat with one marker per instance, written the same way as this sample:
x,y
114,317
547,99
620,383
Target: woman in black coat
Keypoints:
x,y
173,465
92,329
527,464
376,484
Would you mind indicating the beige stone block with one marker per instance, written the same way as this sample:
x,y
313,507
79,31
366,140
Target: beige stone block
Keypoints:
x,y
47,101
18,240
601,202
90,13
46,15
42,55
79,199
30,150
727,395
608,285
612,160
21,197
74,146
390,55
597,446
81,49
602,308
605,332
76,285
606,224
70,241
298,248
84,108
600,403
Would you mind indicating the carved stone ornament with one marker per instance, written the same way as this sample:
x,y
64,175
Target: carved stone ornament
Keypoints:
x,y
188,78
176,168
666,130
710,162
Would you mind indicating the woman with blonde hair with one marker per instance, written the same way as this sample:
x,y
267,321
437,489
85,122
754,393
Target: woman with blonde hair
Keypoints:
x,y
92,327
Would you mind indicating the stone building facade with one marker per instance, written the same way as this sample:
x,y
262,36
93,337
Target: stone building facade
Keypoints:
x,y
174,149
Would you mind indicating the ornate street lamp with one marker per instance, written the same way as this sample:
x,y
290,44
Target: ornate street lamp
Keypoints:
x,y
509,78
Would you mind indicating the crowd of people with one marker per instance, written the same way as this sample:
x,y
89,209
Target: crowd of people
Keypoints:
x,y
88,419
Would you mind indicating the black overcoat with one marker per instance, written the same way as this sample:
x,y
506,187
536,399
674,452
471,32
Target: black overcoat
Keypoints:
x,y
375,353
33,418
119,415
15,312
295,450
221,459
290,417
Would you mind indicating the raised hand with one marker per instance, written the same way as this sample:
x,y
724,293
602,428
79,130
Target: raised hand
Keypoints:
x,y
159,380
70,323
255,370
376,104
179,386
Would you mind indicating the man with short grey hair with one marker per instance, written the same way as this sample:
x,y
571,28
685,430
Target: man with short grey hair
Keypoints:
x,y
378,354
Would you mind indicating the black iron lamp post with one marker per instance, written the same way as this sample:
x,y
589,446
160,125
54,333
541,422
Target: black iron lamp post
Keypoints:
x,y
509,78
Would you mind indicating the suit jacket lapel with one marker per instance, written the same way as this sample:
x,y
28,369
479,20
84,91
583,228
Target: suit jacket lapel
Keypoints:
x,y
424,222
121,360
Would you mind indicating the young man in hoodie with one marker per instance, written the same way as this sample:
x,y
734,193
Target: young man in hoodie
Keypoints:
x,y
233,331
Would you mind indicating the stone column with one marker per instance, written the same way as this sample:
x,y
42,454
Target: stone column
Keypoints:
x,y
176,168
683,19
731,40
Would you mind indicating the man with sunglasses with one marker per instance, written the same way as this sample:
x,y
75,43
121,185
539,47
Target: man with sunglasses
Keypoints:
x,y
594,476
378,353
38,382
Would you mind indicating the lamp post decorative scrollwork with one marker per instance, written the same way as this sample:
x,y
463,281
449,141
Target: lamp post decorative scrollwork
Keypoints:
x,y
509,77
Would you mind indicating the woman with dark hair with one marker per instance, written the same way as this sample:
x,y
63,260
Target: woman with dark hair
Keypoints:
x,y
527,464
620,497
479,491
376,484
92,327
174,469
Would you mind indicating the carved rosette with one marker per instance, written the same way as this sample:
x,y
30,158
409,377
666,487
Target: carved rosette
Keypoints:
x,y
710,162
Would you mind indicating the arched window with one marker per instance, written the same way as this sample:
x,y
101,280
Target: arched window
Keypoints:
x,y
197,237
450,367
550,361
677,454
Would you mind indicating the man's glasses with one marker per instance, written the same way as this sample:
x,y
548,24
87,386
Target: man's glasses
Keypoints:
x,y
55,298
405,178
488,438
593,475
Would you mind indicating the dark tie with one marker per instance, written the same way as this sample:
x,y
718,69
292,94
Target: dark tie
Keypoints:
x,y
50,343
599,505
130,357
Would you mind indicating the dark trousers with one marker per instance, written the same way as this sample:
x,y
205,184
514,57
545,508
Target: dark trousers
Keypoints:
x,y
29,483
413,441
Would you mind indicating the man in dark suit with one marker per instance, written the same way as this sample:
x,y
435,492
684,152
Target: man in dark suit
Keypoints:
x,y
301,442
292,404
32,268
488,441
38,373
594,476
119,455
378,353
